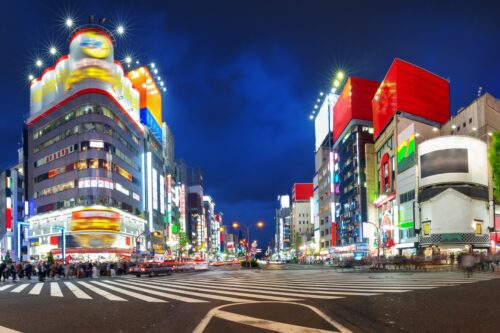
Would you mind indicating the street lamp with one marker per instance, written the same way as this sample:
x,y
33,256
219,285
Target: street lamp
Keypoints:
x,y
378,241
259,225
19,224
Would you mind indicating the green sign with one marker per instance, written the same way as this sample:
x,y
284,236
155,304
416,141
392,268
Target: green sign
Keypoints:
x,y
451,238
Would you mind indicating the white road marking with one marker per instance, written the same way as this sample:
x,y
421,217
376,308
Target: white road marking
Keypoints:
x,y
55,290
229,299
19,288
37,288
77,291
130,293
102,293
267,324
6,287
253,291
132,285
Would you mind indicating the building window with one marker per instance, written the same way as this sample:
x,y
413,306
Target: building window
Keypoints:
x,y
426,228
478,227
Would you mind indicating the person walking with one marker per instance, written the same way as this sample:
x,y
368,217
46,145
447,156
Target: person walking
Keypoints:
x,y
13,272
28,269
3,269
468,262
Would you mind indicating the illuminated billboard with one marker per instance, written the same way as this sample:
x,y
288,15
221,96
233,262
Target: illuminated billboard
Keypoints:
x,y
89,67
150,99
354,103
410,89
323,120
302,192
452,159
95,220
406,148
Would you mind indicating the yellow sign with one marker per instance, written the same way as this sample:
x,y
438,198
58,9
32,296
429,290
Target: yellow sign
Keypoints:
x,y
95,45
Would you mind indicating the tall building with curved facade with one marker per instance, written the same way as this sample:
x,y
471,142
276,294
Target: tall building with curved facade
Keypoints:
x,y
85,153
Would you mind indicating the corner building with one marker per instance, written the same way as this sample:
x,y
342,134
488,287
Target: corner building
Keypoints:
x,y
85,155
410,106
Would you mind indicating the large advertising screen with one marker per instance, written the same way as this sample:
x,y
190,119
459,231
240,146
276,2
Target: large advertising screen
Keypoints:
x,y
406,148
90,65
410,89
150,99
322,127
444,161
354,103
452,159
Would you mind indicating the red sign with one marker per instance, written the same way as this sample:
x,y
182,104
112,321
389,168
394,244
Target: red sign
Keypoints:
x,y
355,102
302,192
410,89
8,218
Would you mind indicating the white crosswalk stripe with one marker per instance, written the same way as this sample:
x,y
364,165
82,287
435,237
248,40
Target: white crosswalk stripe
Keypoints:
x,y
36,289
102,293
130,293
135,286
244,286
55,290
77,291
19,288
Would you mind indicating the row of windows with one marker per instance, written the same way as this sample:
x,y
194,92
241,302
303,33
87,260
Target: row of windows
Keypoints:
x,y
92,127
407,196
90,163
82,111
303,215
84,146
55,189
387,146
88,182
88,200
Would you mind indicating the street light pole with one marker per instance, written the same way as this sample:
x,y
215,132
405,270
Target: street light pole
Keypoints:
x,y
19,255
63,233
378,241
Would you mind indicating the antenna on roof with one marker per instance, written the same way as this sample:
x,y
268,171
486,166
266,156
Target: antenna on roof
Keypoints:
x,y
479,91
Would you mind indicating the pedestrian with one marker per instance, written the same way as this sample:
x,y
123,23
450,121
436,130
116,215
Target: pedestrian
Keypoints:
x,y
3,269
468,262
28,268
13,272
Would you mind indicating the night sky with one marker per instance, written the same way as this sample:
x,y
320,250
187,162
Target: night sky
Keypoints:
x,y
243,76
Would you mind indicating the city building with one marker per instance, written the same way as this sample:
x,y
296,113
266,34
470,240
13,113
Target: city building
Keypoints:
x,y
13,229
410,106
352,130
283,226
453,200
213,227
323,200
85,153
302,236
481,119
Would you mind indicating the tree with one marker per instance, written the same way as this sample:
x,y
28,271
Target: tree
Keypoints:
x,y
50,259
494,159
296,240
8,259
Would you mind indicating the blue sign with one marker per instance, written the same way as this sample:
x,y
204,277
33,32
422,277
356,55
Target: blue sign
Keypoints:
x,y
361,247
148,120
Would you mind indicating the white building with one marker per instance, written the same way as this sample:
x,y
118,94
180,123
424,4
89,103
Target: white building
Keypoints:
x,y
453,197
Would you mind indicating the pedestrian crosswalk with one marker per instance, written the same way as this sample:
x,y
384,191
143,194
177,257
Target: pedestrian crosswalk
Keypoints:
x,y
242,286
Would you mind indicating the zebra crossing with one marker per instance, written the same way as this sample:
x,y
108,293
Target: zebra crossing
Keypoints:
x,y
241,286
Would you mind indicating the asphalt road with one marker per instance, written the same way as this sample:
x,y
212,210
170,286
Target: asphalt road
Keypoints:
x,y
230,300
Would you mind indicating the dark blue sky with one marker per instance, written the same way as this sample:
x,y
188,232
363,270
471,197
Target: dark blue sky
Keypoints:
x,y
243,75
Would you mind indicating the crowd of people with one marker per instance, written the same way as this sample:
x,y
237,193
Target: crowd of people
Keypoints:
x,y
469,262
43,269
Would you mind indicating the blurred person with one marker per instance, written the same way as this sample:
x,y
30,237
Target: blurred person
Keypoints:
x,y
468,263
